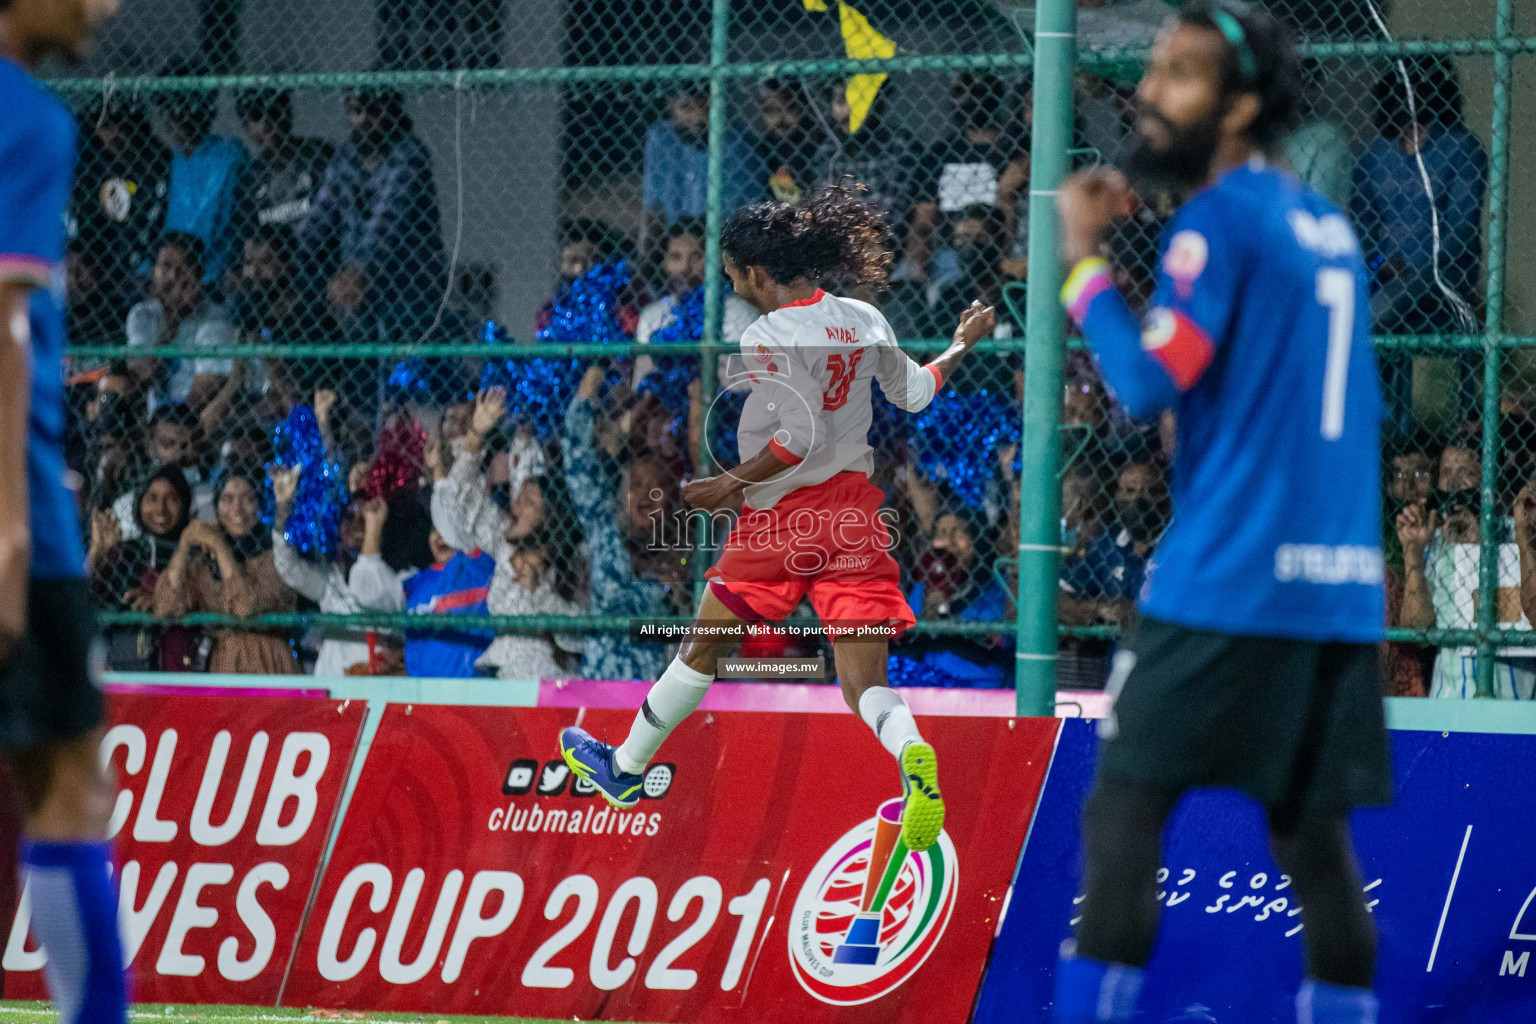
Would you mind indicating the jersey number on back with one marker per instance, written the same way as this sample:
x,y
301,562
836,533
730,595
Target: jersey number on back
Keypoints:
x,y
1336,292
842,366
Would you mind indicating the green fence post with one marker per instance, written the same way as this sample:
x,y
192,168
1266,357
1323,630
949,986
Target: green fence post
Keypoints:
x,y
1055,47
1493,328
719,53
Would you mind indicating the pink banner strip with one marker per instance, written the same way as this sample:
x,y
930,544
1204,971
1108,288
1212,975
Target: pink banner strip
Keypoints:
x,y
810,697
166,690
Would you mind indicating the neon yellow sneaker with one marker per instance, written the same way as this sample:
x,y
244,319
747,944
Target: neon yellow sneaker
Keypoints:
x,y
592,759
922,818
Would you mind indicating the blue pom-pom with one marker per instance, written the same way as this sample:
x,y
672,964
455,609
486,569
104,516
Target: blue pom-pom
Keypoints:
x,y
958,440
538,390
425,381
903,671
320,499
587,310
725,416
669,386
408,380
675,372
297,440
687,323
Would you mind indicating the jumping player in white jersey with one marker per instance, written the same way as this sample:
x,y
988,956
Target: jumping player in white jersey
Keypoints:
x,y
811,522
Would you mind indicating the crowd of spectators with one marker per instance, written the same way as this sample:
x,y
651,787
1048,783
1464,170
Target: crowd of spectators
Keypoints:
x,y
1434,574
512,503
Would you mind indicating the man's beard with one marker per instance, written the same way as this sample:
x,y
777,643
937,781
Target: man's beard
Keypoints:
x,y
1186,161
679,286
1142,518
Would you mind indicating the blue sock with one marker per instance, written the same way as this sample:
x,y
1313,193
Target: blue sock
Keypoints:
x,y
74,916
1094,992
1319,1002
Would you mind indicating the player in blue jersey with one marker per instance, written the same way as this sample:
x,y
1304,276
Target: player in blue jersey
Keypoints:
x,y
50,703
1254,664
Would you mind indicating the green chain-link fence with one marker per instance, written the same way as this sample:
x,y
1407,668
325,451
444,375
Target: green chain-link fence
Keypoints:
x,y
375,212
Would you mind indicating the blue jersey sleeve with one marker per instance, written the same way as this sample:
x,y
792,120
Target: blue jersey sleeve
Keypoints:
x,y
1201,269
1199,273
36,157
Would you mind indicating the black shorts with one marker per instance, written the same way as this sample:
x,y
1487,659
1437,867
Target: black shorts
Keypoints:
x,y
1298,725
50,686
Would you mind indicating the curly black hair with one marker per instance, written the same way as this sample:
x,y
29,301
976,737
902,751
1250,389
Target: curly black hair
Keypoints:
x,y
1262,60
831,234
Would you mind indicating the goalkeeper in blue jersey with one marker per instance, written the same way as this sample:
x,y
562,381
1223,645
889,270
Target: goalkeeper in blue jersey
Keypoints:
x,y
1254,664
51,709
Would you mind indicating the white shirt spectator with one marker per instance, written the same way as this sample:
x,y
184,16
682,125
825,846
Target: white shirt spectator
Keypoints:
x,y
205,328
462,509
1452,574
736,318
371,586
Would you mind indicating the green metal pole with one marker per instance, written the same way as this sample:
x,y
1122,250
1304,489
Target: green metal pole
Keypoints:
x,y
1044,329
719,53
1498,213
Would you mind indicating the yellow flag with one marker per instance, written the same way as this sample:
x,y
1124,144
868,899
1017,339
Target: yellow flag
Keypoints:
x,y
861,42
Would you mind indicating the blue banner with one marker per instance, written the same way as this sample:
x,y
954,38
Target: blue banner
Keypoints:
x,y
1449,872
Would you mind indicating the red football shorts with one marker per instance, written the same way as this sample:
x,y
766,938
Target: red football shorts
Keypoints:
x,y
827,540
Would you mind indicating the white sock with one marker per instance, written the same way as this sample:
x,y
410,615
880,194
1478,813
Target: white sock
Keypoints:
x,y
672,699
885,711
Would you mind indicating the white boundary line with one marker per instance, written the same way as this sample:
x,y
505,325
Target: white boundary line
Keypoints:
x,y
1449,893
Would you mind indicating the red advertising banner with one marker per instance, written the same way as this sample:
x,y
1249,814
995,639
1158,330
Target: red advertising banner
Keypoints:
x,y
759,879
220,822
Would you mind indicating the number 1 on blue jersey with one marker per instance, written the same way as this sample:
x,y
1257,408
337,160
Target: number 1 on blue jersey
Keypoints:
x,y
1336,291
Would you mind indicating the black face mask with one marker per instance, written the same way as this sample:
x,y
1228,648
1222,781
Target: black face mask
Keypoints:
x,y
1186,161
978,261
1142,518
691,136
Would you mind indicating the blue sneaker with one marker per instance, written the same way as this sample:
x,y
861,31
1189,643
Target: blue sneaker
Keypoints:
x,y
592,759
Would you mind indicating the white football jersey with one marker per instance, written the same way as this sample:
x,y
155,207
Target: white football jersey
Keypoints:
x,y
809,365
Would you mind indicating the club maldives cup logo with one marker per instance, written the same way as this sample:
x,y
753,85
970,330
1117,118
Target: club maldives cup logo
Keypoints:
x,y
871,911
